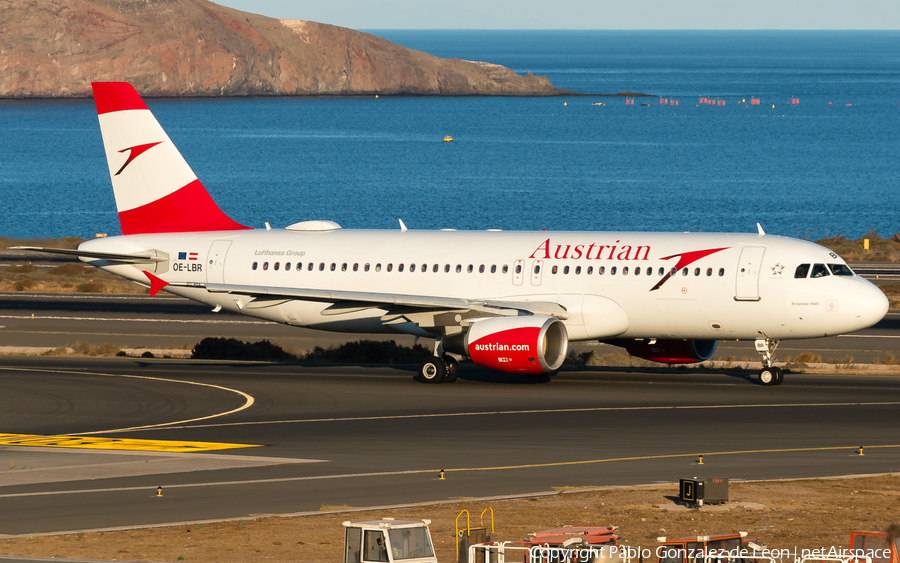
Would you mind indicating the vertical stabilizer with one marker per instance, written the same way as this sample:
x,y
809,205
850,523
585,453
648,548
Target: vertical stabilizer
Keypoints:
x,y
156,191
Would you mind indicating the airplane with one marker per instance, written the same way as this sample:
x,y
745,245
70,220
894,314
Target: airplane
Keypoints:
x,y
511,301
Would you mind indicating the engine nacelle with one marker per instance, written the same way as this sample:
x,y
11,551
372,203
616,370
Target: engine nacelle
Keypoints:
x,y
670,351
535,344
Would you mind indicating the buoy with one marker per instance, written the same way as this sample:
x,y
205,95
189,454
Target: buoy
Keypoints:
x,y
158,491
448,139
376,96
860,452
565,104
441,478
700,460
773,106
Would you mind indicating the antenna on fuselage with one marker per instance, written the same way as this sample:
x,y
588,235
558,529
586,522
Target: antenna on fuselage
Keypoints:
x,y
759,228
403,228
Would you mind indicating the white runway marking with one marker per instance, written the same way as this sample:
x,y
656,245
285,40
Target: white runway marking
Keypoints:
x,y
133,319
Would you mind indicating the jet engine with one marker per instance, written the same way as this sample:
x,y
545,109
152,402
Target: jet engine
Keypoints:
x,y
669,351
534,344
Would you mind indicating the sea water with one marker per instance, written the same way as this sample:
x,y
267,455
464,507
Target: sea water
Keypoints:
x,y
828,164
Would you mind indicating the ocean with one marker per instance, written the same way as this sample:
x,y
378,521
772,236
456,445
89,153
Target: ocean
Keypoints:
x,y
824,165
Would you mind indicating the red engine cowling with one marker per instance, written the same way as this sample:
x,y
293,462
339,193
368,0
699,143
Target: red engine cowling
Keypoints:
x,y
534,344
670,351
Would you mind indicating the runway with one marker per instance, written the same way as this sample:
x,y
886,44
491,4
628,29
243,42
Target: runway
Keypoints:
x,y
131,321
364,436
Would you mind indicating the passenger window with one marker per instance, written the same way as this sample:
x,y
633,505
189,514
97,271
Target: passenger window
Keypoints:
x,y
518,268
612,271
265,266
649,271
458,268
425,268
505,268
435,268
446,268
481,269
356,266
470,269
344,267
566,270
696,271
840,269
321,266
254,265
299,266
333,266
590,270
554,269
673,272
708,272
819,271
310,267
493,268
684,272
366,267
537,269
802,271
601,270
399,267
637,271
625,271
390,267
577,270
412,268
378,267
721,272
277,265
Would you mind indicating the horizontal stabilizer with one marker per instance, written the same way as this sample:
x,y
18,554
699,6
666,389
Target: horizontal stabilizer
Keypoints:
x,y
112,256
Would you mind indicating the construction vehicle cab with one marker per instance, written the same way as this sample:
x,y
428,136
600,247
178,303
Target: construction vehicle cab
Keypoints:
x,y
388,541
696,549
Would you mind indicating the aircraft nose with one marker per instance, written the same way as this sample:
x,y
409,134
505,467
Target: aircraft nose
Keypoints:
x,y
871,304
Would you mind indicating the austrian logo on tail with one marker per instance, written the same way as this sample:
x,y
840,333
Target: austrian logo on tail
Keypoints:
x,y
685,259
136,151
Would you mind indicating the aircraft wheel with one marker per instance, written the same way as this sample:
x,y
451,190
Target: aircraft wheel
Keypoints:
x,y
452,369
768,376
433,370
779,376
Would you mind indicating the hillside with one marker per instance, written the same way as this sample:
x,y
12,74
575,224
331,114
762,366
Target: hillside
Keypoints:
x,y
56,48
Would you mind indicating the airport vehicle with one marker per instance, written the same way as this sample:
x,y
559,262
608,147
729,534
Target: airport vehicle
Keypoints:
x,y
389,541
879,547
511,301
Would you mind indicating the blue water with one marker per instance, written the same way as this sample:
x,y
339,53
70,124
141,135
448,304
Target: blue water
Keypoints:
x,y
523,163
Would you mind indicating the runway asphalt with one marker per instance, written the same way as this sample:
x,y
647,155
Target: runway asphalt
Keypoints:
x,y
168,321
368,436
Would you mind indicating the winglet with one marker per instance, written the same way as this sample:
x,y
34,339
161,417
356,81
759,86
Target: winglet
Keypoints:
x,y
759,228
156,284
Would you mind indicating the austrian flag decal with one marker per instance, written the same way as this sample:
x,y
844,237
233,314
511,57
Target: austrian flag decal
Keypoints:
x,y
187,255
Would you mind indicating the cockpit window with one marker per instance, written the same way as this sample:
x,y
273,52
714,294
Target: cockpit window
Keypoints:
x,y
840,269
819,271
802,271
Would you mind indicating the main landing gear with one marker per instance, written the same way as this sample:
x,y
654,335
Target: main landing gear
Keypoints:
x,y
439,369
769,375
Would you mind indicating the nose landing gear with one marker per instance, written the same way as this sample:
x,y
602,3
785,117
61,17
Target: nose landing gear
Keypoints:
x,y
769,375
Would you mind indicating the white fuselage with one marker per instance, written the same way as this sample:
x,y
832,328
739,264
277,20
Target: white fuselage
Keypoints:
x,y
743,286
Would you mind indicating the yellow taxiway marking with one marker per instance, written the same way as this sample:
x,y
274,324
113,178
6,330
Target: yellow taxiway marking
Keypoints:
x,y
248,400
92,443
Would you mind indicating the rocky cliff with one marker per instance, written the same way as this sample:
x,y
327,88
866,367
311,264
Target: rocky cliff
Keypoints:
x,y
56,48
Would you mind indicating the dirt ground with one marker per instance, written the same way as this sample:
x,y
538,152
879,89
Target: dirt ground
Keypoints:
x,y
811,514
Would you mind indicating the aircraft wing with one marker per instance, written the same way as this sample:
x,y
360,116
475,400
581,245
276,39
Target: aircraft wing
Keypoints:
x,y
129,258
357,300
350,301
